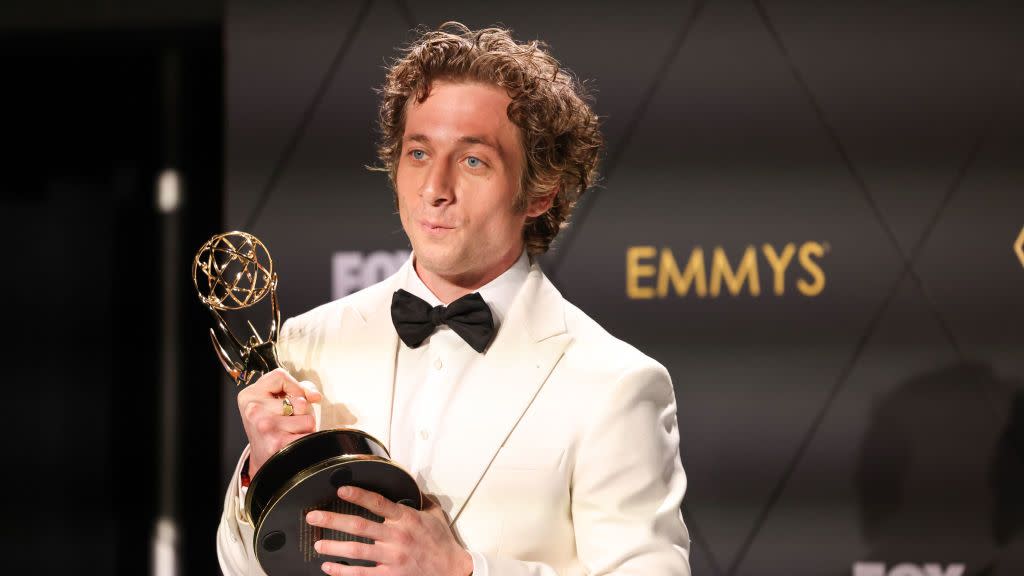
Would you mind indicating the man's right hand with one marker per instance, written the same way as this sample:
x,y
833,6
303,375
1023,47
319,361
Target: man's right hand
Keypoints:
x,y
262,407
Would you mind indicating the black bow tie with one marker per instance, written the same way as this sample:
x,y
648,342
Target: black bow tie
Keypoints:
x,y
469,317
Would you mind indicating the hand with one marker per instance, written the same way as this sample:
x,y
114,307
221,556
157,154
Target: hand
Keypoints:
x,y
266,426
408,543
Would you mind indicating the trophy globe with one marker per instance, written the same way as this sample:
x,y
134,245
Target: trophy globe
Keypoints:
x,y
233,271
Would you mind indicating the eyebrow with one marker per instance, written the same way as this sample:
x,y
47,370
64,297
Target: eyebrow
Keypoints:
x,y
469,139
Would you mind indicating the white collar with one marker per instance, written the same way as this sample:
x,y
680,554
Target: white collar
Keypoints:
x,y
498,293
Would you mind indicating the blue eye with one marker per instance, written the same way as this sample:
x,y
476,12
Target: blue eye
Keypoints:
x,y
473,162
419,154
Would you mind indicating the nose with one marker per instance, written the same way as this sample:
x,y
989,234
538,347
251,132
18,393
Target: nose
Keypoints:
x,y
438,187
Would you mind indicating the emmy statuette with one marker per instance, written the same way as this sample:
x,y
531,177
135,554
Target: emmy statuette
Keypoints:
x,y
233,271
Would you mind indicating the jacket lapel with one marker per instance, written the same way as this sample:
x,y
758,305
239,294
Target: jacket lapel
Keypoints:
x,y
494,396
363,362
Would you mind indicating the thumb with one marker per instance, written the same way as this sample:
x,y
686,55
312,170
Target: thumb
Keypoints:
x,y
311,392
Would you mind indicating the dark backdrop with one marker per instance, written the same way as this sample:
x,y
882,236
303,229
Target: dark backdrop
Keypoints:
x,y
807,214
97,99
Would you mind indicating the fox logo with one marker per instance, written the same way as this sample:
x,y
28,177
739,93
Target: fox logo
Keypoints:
x,y
353,271
905,569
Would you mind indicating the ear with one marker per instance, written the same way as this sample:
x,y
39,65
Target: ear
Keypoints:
x,y
542,204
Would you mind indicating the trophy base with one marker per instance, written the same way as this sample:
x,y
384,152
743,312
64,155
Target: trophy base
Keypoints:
x,y
283,541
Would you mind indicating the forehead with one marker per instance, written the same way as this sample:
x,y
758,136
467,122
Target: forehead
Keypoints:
x,y
454,110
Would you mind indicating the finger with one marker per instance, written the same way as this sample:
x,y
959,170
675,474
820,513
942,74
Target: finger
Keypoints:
x,y
268,418
341,570
256,411
432,506
285,440
292,388
278,443
430,501
289,438
348,523
295,424
372,501
278,406
311,392
278,382
350,549
300,405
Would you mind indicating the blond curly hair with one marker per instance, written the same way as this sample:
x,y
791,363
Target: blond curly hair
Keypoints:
x,y
560,134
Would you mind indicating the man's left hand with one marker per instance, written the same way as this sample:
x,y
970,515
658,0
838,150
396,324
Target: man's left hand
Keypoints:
x,y
408,543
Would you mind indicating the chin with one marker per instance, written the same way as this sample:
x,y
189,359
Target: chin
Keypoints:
x,y
438,261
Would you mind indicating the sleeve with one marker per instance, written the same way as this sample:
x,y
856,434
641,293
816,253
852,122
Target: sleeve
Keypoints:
x,y
629,482
627,487
489,565
235,532
234,535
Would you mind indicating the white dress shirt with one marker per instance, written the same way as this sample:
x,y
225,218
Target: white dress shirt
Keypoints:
x,y
428,376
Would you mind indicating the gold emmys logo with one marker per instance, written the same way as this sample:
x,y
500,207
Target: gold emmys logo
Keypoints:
x,y
655,273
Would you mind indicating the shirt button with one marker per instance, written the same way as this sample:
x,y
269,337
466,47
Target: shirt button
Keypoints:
x,y
437,363
424,434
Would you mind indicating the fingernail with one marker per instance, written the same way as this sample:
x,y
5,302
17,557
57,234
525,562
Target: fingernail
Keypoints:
x,y
314,517
344,491
317,545
326,568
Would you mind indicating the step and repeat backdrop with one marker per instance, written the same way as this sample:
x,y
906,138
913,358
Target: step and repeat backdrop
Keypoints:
x,y
811,212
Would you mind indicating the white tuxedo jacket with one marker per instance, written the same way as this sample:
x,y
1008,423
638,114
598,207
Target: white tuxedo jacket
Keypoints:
x,y
567,457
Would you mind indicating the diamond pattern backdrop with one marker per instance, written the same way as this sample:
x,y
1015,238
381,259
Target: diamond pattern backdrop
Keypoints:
x,y
876,419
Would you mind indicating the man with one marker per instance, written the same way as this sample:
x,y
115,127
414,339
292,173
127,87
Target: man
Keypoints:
x,y
547,446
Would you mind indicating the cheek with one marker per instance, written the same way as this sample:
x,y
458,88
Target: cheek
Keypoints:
x,y
404,185
502,224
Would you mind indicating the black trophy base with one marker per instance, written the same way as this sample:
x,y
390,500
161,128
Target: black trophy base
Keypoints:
x,y
283,540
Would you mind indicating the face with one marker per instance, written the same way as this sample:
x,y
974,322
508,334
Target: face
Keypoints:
x,y
457,180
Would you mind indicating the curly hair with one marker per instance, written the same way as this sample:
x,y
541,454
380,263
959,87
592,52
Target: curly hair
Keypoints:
x,y
561,139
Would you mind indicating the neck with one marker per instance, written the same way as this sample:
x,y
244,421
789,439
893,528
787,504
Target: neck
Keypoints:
x,y
451,287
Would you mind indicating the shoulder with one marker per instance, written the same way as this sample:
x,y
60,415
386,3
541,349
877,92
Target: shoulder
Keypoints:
x,y
329,313
611,384
594,344
603,363
302,333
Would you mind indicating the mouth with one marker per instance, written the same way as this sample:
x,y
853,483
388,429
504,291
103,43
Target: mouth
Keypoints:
x,y
435,227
